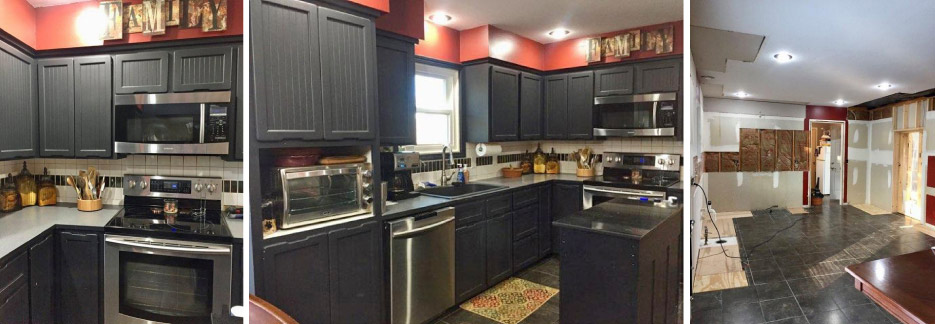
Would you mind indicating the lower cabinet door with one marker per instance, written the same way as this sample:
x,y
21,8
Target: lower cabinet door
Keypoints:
x,y
499,248
41,277
79,277
356,274
296,277
525,252
470,261
15,307
545,220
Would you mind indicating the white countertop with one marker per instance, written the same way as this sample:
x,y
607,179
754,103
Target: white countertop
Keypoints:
x,y
235,226
19,227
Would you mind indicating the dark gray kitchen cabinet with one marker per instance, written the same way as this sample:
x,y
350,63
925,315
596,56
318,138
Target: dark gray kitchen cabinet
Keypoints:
x,y
614,81
556,107
79,277
237,127
286,76
658,76
470,261
499,248
41,279
491,98
525,252
348,74
566,200
396,87
93,107
144,72
296,277
19,117
580,105
202,69
57,107
545,220
356,274
530,106
14,289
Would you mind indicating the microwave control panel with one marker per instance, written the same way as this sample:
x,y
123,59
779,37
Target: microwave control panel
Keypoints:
x,y
216,124
667,115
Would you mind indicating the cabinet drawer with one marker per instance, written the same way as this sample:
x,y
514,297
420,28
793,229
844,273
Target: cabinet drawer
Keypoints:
x,y
12,273
469,213
525,252
525,222
525,197
498,205
14,306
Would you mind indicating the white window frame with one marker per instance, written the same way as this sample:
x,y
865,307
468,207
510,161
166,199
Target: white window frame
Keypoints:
x,y
453,98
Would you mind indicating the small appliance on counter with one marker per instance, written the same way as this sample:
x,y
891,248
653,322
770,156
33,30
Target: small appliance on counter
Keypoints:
x,y
309,195
637,176
396,168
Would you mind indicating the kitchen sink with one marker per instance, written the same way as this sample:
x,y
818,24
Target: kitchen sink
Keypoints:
x,y
459,191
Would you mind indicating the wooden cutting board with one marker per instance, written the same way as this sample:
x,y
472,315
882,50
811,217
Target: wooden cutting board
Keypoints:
x,y
329,160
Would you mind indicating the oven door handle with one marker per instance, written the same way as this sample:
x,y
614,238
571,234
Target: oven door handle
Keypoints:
x,y
625,192
200,249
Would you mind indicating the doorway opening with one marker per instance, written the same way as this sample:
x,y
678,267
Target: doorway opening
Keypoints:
x,y
827,162
907,170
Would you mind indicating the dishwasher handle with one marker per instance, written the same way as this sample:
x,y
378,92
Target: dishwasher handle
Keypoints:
x,y
418,230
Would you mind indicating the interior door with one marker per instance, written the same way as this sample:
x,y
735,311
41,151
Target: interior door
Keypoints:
x,y
909,174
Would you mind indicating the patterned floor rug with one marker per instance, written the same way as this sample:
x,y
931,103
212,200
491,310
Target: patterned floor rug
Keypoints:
x,y
511,301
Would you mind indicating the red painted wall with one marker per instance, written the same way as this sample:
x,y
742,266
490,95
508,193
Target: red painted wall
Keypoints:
x,y
61,27
825,113
382,5
440,42
516,49
573,52
405,18
18,18
475,43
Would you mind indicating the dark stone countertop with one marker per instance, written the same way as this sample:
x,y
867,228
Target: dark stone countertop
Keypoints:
x,y
620,217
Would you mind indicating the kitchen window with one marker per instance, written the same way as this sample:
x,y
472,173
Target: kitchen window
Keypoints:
x,y
437,106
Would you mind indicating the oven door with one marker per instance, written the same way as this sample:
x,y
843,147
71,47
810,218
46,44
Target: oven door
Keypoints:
x,y
175,123
636,115
322,193
594,195
148,280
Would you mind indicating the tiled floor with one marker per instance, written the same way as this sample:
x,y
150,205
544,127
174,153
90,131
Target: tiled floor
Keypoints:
x,y
799,277
544,273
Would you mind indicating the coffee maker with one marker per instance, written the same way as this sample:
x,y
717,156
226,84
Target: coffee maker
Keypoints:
x,y
396,168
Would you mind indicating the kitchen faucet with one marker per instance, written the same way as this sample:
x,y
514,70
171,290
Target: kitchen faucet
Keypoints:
x,y
451,158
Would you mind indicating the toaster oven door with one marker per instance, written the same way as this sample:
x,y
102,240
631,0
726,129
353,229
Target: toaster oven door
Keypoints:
x,y
319,194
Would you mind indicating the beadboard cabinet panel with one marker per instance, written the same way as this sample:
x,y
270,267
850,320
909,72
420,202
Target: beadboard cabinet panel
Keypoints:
x,y
93,107
202,69
57,107
144,72
348,74
19,134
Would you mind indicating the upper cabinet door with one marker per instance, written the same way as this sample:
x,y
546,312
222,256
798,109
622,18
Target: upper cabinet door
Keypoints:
x,y
614,81
580,105
93,107
202,69
659,76
556,106
530,101
504,104
57,107
286,97
146,72
19,115
348,74
396,84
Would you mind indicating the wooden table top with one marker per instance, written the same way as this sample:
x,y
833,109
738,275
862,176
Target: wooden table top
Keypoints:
x,y
904,285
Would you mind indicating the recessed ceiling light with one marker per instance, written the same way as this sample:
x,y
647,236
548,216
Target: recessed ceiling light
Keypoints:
x,y
741,94
839,102
884,86
440,18
707,77
559,33
782,57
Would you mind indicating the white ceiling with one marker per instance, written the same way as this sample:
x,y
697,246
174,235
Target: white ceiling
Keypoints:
x,y
841,48
534,18
49,3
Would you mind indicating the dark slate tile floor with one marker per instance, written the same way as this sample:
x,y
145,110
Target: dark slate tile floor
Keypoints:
x,y
798,277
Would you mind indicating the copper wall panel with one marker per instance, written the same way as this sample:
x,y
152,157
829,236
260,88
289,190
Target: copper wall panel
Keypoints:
x,y
749,150
802,151
767,150
730,161
712,161
784,154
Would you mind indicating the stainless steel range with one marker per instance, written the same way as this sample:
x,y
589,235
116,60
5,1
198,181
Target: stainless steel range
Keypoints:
x,y
167,255
637,176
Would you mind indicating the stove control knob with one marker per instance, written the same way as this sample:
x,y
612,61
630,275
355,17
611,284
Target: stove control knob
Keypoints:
x,y
143,185
671,162
617,159
131,184
661,162
198,187
212,188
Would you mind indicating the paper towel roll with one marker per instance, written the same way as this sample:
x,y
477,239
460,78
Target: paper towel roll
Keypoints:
x,y
485,150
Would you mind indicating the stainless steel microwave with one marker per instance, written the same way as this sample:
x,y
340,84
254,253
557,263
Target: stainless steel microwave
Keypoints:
x,y
651,114
322,193
173,123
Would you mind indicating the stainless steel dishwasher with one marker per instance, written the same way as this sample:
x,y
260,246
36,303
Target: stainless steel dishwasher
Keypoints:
x,y
422,259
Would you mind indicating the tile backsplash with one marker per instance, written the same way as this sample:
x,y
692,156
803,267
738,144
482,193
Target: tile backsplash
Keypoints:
x,y
114,170
486,167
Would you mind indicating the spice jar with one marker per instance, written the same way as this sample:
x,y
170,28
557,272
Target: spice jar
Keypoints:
x,y
26,186
9,197
48,194
538,163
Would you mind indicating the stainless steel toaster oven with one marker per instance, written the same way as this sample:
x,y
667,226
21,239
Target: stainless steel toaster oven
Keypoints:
x,y
322,193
